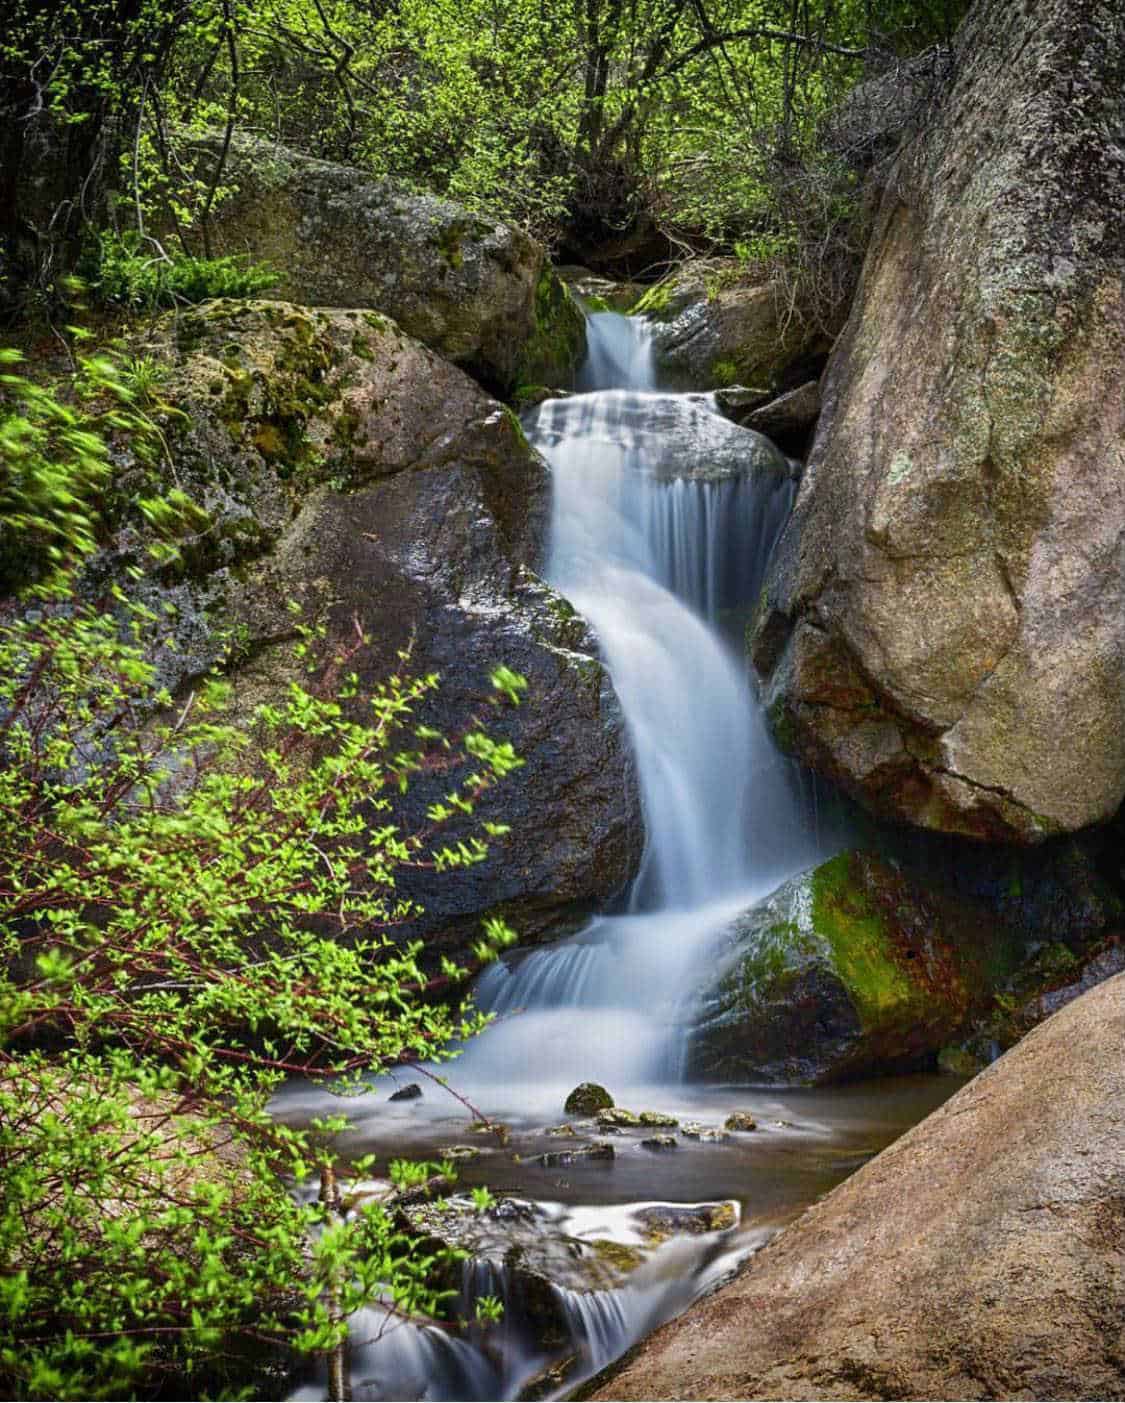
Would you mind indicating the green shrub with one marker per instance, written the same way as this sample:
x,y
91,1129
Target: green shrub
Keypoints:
x,y
193,910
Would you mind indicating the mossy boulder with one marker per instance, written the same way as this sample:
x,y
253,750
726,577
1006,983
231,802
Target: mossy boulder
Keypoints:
x,y
717,324
385,488
587,1099
944,627
478,292
852,969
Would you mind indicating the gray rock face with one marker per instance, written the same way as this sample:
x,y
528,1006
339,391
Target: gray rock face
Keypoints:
x,y
789,419
390,490
944,626
713,329
480,293
980,1256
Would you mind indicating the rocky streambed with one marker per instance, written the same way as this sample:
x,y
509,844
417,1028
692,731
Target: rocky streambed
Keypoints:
x,y
598,1228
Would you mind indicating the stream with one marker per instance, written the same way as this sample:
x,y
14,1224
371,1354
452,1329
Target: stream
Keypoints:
x,y
664,517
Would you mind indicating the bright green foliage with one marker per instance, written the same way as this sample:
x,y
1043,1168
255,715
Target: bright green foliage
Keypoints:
x,y
54,459
196,911
127,273
191,912
574,119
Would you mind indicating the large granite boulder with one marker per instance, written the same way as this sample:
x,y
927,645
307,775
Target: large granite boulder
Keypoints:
x,y
480,293
943,628
347,467
979,1256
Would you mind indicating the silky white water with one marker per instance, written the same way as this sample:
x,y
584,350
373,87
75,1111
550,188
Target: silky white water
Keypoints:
x,y
664,516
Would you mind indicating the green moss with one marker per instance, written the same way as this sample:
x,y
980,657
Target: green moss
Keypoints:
x,y
724,371
558,339
618,1255
782,726
654,301
862,951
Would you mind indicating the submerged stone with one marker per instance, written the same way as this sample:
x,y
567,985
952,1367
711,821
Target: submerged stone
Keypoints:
x,y
554,1159
658,1143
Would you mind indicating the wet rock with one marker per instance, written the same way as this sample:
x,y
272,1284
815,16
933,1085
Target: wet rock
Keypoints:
x,y
389,491
740,1121
410,1092
518,1252
715,328
850,969
657,1118
872,964
562,1130
683,438
460,1151
706,1134
978,1256
580,1154
788,420
618,1117
738,402
951,583
659,1143
660,1221
597,293
1053,976
587,1099
478,292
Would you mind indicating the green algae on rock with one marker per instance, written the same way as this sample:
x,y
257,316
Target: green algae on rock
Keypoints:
x,y
851,969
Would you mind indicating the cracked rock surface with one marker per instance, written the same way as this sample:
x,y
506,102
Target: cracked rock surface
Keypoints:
x,y
982,1255
943,627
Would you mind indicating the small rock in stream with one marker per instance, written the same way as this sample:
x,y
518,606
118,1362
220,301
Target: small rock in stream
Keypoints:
x,y
555,1159
657,1118
664,1220
566,1129
460,1151
740,1120
410,1092
618,1117
707,1134
659,1143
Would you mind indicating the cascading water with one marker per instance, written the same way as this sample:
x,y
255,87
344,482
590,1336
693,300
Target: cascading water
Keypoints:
x,y
664,516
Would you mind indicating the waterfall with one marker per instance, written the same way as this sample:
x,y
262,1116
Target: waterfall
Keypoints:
x,y
664,517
